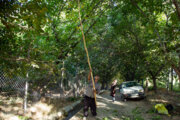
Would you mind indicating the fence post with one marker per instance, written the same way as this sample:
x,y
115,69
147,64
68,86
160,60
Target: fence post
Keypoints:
x,y
26,94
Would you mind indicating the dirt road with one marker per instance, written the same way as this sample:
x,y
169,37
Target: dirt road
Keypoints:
x,y
119,110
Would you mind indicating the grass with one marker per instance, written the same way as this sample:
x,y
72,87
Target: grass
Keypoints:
x,y
23,118
136,111
138,117
125,118
115,111
151,110
137,114
156,118
105,118
176,89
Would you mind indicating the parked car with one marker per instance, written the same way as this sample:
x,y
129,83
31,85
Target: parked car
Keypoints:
x,y
131,89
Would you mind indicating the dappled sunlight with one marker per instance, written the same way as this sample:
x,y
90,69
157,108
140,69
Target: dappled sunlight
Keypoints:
x,y
132,109
107,101
107,108
101,104
55,52
39,111
163,97
9,116
158,100
12,108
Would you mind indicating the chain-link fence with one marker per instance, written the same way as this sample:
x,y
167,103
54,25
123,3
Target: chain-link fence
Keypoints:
x,y
12,86
19,92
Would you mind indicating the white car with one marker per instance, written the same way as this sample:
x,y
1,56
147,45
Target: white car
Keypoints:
x,y
131,89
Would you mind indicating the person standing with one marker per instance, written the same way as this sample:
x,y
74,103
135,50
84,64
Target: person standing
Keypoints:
x,y
113,90
89,100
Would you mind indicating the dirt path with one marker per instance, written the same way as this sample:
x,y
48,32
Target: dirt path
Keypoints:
x,y
118,110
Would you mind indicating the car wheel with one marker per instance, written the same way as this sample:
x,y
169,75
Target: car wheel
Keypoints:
x,y
123,98
144,97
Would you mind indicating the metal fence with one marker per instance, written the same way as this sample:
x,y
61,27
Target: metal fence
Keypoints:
x,y
28,90
12,85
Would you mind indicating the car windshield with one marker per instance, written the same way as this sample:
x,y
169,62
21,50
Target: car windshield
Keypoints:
x,y
131,84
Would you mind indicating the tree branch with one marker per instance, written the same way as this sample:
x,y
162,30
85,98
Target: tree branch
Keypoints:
x,y
96,6
176,4
135,4
64,53
61,56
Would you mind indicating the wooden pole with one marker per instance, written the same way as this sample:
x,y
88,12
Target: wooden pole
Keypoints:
x,y
84,41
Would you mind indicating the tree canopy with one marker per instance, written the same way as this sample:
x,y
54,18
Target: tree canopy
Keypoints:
x,y
136,39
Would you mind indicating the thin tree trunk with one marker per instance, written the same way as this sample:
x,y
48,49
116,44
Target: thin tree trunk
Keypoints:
x,y
146,88
169,79
103,84
154,76
154,84
62,80
172,79
177,71
106,86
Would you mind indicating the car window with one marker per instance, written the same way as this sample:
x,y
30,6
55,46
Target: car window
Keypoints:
x,y
131,84
123,85
120,86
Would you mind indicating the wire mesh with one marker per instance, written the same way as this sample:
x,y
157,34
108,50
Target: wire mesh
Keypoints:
x,y
12,85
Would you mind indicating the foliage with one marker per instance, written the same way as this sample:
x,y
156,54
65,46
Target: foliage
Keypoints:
x,y
23,118
105,118
137,114
156,118
151,110
125,37
125,118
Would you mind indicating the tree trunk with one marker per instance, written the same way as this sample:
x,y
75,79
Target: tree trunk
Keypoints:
x,y
154,84
103,84
106,86
146,88
176,4
177,70
169,79
62,87
172,79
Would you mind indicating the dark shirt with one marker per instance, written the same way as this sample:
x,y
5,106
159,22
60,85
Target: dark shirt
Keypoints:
x,y
113,90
